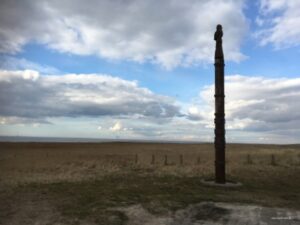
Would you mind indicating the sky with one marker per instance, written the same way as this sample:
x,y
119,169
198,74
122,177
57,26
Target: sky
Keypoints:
x,y
143,69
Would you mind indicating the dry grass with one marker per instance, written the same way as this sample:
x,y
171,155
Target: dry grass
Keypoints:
x,y
80,183
52,162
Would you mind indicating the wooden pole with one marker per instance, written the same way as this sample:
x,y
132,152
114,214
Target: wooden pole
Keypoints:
x,y
219,109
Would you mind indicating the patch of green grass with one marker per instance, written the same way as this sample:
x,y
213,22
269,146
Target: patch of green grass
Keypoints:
x,y
98,200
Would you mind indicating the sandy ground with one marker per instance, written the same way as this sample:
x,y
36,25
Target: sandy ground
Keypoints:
x,y
209,213
205,213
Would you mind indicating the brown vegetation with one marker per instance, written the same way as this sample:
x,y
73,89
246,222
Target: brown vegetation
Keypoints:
x,y
86,180
49,162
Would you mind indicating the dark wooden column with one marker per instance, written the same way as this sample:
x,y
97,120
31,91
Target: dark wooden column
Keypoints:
x,y
219,109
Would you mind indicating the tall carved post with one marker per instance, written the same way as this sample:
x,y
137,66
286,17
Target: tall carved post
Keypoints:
x,y
219,109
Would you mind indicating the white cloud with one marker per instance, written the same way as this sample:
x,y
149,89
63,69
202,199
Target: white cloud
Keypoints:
x,y
14,63
280,20
25,94
255,104
194,113
8,76
171,33
116,127
30,75
177,129
74,103
271,5
258,109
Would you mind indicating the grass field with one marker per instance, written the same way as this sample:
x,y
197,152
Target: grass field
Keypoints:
x,y
67,183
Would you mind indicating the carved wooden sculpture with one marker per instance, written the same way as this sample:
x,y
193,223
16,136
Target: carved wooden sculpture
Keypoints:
x,y
219,109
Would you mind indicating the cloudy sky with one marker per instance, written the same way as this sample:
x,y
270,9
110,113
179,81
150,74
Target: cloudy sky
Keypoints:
x,y
143,69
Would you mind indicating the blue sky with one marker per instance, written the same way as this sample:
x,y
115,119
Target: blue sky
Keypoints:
x,y
144,70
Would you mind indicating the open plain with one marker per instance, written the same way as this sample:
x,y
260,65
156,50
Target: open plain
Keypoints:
x,y
100,183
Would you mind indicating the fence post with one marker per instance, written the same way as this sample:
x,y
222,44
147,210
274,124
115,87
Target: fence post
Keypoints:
x,y
198,160
153,160
181,159
273,163
249,160
166,160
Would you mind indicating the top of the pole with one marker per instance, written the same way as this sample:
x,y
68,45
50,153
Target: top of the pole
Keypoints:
x,y
218,38
219,33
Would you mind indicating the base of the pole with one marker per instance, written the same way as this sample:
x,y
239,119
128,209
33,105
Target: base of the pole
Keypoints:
x,y
226,184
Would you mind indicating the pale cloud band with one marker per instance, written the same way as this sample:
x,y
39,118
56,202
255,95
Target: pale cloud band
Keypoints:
x,y
254,105
26,94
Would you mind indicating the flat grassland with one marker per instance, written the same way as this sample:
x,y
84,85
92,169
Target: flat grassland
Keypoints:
x,y
67,183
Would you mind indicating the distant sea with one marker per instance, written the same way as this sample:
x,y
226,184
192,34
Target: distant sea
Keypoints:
x,y
83,140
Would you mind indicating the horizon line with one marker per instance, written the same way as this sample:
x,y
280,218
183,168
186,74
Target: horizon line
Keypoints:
x,y
48,139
